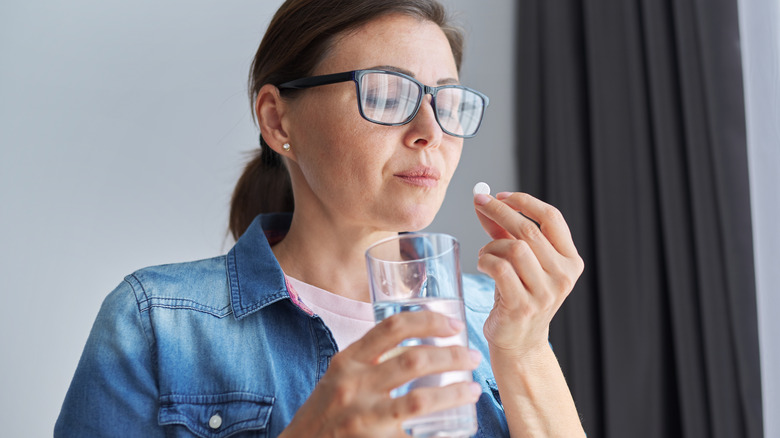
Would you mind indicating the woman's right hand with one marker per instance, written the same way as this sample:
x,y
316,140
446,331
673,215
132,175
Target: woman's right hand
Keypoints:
x,y
353,397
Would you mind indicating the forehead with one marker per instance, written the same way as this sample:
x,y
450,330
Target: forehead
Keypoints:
x,y
402,41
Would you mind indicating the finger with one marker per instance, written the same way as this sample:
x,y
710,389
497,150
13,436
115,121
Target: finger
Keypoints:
x,y
393,330
550,220
516,225
491,228
525,262
408,363
510,290
423,401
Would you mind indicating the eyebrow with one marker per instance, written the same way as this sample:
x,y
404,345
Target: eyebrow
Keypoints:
x,y
445,81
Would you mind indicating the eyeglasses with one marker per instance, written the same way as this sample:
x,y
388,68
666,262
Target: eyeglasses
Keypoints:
x,y
392,98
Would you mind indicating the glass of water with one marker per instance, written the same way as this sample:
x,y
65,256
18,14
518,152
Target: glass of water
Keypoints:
x,y
421,271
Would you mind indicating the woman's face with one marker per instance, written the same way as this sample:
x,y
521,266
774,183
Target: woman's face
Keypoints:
x,y
358,173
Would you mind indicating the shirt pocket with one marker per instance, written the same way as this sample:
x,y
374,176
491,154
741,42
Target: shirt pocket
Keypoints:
x,y
490,413
491,383
215,415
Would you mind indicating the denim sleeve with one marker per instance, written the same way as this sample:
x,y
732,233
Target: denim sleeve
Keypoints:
x,y
114,391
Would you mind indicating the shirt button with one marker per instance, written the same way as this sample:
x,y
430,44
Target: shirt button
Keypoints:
x,y
215,421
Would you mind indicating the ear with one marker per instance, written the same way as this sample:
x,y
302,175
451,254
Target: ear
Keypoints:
x,y
271,111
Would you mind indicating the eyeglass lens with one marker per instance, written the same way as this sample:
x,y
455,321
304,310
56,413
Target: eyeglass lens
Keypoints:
x,y
391,99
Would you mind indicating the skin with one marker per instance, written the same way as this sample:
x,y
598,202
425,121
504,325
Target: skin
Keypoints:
x,y
344,169
354,183
535,269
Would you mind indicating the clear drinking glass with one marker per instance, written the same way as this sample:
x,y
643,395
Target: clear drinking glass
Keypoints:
x,y
421,271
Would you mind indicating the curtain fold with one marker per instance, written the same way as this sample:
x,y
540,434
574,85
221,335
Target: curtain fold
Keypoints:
x,y
631,121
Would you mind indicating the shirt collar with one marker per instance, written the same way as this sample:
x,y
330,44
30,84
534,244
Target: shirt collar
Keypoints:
x,y
254,275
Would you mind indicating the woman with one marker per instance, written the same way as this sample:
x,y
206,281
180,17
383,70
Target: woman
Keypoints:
x,y
276,338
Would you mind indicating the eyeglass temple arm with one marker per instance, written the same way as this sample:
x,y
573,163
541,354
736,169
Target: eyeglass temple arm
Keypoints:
x,y
314,81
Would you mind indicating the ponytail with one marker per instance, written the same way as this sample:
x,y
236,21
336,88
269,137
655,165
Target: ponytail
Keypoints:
x,y
264,187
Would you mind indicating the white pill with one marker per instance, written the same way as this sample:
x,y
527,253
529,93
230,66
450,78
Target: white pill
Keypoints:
x,y
481,189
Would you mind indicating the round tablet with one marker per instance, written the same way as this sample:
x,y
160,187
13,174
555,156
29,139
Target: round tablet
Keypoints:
x,y
481,189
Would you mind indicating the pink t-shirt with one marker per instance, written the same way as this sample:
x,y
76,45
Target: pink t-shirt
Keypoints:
x,y
347,319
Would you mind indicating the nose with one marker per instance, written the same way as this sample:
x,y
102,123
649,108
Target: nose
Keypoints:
x,y
424,131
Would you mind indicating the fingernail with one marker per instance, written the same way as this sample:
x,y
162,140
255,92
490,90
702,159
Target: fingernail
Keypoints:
x,y
503,195
456,324
481,199
476,356
475,389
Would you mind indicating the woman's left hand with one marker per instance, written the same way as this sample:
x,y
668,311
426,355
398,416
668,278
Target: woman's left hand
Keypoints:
x,y
534,267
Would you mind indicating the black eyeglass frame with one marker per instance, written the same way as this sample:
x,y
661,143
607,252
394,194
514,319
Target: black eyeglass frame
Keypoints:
x,y
357,75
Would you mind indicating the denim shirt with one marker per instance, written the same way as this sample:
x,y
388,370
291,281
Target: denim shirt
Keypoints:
x,y
218,348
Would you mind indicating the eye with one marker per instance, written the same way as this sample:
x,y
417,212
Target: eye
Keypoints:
x,y
380,101
446,110
384,96
446,114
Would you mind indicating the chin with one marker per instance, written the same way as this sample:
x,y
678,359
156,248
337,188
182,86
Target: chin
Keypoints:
x,y
416,220
410,215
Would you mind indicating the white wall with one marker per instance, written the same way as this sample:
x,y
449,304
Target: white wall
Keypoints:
x,y
760,36
122,132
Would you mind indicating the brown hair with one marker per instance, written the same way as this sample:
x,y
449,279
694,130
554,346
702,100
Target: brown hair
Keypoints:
x,y
298,38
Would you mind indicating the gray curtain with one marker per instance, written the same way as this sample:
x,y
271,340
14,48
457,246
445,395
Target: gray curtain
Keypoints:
x,y
631,121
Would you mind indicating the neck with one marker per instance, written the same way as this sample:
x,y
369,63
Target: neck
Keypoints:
x,y
328,254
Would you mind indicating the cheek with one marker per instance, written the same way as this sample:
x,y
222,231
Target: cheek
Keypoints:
x,y
362,160
452,158
343,161
456,155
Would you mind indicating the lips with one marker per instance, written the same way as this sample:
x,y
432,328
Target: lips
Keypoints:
x,y
421,176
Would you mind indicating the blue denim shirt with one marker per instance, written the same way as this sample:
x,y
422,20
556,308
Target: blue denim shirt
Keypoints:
x,y
218,348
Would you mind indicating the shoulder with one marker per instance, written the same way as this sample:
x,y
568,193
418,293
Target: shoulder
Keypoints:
x,y
198,285
478,291
190,276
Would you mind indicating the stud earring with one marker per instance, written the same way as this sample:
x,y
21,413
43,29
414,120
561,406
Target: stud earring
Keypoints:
x,y
286,146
